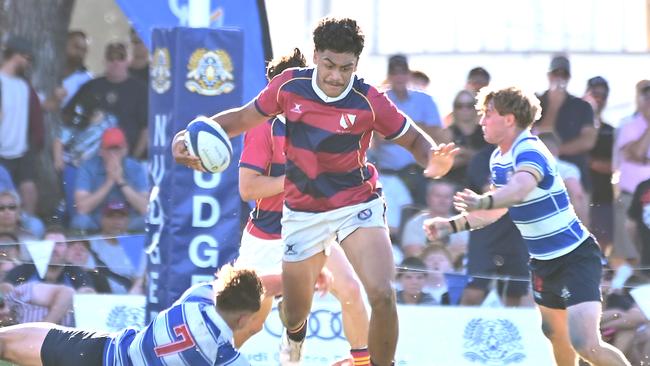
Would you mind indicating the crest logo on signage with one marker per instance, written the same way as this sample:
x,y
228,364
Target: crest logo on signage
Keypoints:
x,y
493,342
160,70
210,72
122,316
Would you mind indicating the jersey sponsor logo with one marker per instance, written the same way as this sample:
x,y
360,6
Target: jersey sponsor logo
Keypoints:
x,y
160,70
210,72
492,342
347,120
184,342
296,108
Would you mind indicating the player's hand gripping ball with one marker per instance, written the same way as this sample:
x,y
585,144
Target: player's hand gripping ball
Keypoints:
x,y
206,139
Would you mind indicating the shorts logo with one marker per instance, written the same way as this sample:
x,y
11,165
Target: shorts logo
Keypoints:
x,y
160,70
365,214
492,342
210,72
565,294
289,249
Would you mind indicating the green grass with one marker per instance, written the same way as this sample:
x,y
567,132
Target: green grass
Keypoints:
x,y
3,363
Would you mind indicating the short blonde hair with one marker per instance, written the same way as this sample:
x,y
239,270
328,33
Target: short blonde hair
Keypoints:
x,y
524,106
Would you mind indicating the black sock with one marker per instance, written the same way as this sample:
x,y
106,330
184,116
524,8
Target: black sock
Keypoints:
x,y
297,335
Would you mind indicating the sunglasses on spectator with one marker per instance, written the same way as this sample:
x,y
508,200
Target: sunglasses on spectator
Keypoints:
x,y
464,105
8,207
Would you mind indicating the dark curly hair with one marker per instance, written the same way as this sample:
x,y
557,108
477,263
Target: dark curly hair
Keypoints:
x,y
341,35
277,65
238,290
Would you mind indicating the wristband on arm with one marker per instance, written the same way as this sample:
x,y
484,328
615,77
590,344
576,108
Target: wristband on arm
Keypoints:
x,y
486,202
459,223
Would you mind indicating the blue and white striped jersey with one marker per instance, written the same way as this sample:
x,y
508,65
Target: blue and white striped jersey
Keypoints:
x,y
546,218
190,332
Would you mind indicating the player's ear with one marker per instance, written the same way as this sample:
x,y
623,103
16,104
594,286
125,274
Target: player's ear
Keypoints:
x,y
315,57
510,119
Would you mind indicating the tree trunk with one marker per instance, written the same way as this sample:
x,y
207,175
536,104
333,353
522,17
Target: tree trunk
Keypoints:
x,y
45,23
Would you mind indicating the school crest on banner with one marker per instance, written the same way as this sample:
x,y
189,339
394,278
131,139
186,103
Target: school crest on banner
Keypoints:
x,y
493,342
210,72
161,79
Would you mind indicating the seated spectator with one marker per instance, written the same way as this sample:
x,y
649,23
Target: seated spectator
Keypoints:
x,y
9,253
110,176
438,262
124,272
36,302
570,174
440,195
58,272
78,140
465,132
78,254
11,218
622,321
412,277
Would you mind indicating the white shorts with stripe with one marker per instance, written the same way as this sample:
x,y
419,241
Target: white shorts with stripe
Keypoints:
x,y
262,255
307,233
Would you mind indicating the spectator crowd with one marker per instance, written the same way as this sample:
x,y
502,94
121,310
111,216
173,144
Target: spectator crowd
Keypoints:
x,y
99,152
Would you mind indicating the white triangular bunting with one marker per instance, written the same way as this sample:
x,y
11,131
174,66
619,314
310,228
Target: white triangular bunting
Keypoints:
x,y
41,252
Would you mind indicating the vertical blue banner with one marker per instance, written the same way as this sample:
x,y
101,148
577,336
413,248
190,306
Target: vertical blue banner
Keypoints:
x,y
193,224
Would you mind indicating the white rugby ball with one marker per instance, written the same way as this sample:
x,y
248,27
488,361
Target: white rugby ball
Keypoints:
x,y
206,139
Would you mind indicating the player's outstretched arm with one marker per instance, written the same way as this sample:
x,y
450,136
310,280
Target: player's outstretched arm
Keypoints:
x,y
520,185
439,227
437,159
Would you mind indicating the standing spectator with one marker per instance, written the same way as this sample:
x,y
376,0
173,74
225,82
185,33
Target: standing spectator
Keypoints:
x,y
392,159
631,153
110,176
477,78
497,250
123,268
638,222
121,95
570,175
570,117
600,166
419,80
412,277
465,132
438,261
139,66
36,302
440,198
6,183
21,121
75,73
58,271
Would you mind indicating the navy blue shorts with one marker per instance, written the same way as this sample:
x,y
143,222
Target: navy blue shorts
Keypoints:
x,y
69,346
568,280
499,251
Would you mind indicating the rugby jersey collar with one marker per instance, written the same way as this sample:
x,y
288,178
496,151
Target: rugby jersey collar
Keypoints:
x,y
282,118
221,324
321,94
523,135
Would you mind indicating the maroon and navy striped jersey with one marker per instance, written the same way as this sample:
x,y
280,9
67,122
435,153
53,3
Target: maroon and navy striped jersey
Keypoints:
x,y
264,152
327,138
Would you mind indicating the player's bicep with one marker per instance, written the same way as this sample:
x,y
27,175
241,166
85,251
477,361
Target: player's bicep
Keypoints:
x,y
533,163
238,120
522,182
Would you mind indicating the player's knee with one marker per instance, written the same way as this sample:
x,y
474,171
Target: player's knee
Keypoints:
x,y
585,345
380,296
348,290
548,330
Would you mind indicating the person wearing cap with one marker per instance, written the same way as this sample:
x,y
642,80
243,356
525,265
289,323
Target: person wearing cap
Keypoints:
x,y
21,120
600,165
120,260
632,158
121,95
569,117
110,176
402,179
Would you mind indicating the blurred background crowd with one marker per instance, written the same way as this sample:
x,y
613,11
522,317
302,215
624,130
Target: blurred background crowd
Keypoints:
x,y
94,211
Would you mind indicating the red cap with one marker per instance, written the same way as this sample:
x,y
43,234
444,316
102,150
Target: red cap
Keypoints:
x,y
113,137
116,206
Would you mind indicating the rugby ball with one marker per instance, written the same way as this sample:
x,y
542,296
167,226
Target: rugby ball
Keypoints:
x,y
206,139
